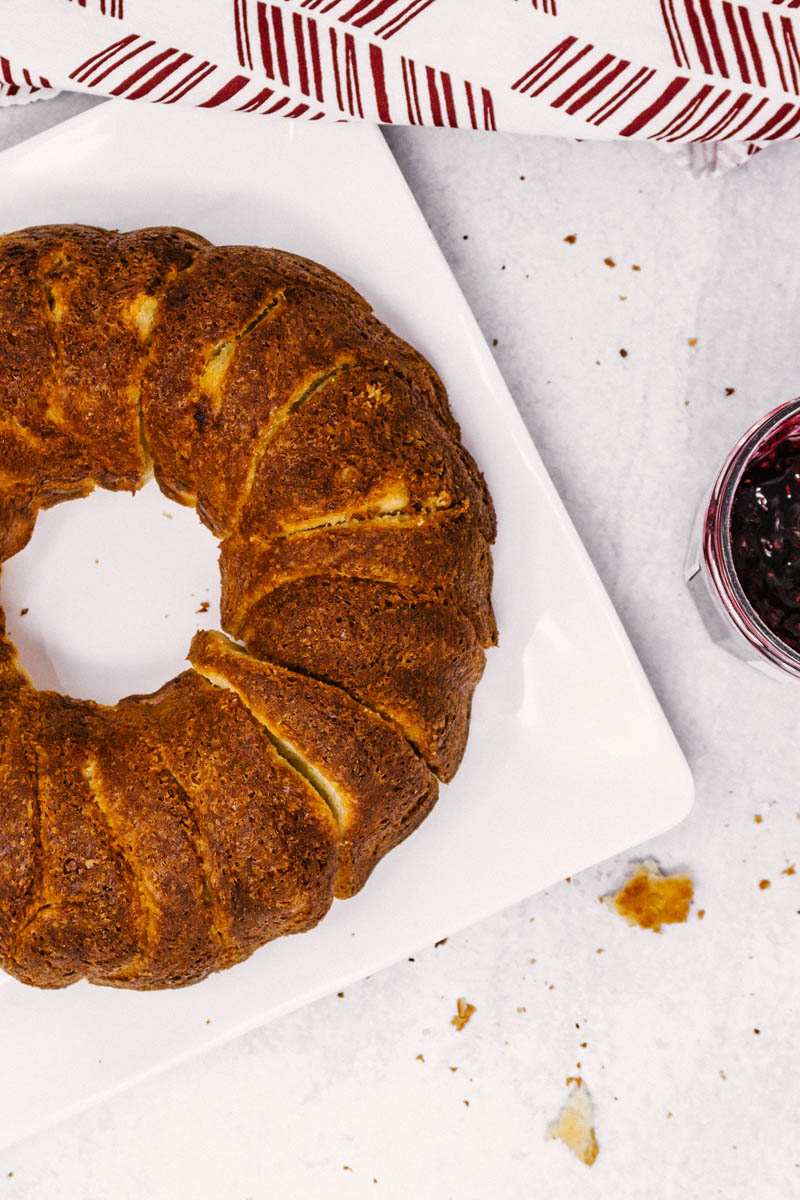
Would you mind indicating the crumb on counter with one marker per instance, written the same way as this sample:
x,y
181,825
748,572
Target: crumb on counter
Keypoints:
x,y
204,607
623,353
691,341
764,884
463,1013
609,262
575,1123
23,612
571,238
651,899
790,870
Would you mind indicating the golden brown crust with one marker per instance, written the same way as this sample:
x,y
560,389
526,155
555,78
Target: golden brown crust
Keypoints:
x,y
270,842
362,444
85,918
415,662
17,519
154,821
149,844
18,814
439,556
104,291
377,787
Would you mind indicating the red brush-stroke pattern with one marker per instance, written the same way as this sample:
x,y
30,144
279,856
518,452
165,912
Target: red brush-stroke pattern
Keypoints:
x,y
363,14
107,8
335,58
549,7
728,39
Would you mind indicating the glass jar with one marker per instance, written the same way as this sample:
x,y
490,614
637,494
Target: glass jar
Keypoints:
x,y
711,574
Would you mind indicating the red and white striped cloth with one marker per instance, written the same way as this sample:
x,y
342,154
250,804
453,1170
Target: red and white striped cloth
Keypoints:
x,y
667,70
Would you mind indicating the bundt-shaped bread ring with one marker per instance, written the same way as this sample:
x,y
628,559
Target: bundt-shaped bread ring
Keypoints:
x,y
149,843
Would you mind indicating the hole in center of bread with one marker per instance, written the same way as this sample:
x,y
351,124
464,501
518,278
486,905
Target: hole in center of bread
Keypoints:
x,y
105,598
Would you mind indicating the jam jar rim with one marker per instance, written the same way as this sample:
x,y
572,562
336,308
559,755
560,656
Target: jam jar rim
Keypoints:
x,y
716,544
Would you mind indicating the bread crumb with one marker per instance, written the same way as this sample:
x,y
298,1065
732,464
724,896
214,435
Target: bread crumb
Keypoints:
x,y
441,942
463,1014
420,1058
764,884
23,612
635,268
729,391
692,341
623,353
758,818
701,912
571,238
609,262
575,1125
650,899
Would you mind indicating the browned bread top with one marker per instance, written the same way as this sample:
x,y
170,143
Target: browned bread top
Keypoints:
x,y
150,843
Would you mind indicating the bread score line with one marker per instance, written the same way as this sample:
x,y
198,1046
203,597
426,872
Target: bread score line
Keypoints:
x,y
149,843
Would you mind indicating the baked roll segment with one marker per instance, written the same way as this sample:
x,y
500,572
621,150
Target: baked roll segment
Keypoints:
x,y
253,329
155,824
86,921
416,662
268,840
19,864
308,336
377,787
363,444
46,466
439,556
205,312
104,293
28,355
17,521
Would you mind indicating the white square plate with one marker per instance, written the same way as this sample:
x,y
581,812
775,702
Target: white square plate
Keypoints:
x,y
570,759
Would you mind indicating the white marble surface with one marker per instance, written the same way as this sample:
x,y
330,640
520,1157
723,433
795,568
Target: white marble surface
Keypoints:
x,y
686,1039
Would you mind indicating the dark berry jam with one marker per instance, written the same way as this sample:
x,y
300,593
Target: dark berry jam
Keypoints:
x,y
765,537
